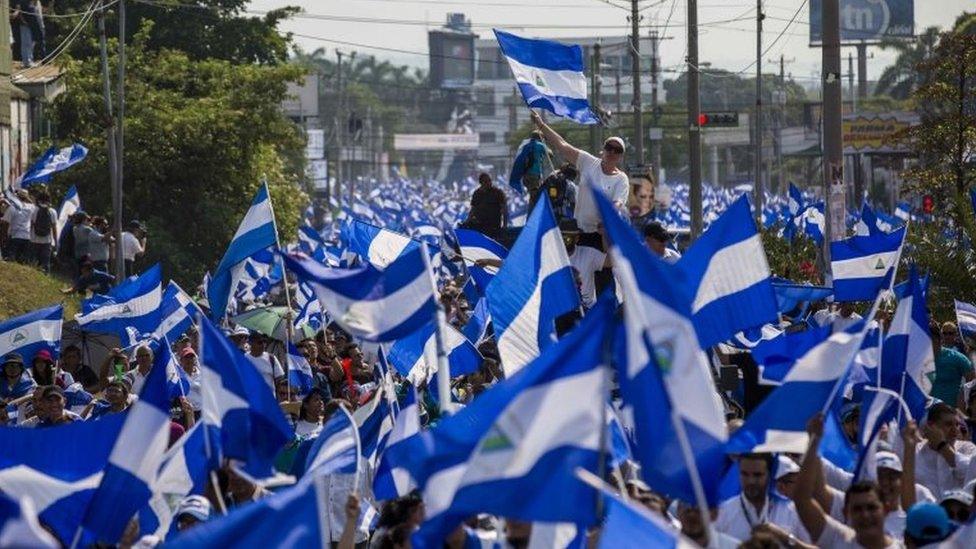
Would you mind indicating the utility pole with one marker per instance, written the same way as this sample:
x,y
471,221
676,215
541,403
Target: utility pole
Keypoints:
x,y
339,127
619,105
778,115
694,129
862,70
120,273
655,143
595,83
758,189
835,189
635,75
856,158
850,81
111,141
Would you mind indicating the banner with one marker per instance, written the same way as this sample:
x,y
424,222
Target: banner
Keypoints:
x,y
867,20
874,133
435,141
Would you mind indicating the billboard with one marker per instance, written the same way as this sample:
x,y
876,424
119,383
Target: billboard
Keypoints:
x,y
451,59
435,141
315,146
867,20
876,133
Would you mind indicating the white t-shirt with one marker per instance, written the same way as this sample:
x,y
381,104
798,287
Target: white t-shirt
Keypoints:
x,y
131,247
307,429
19,221
838,536
737,517
591,175
49,239
98,247
933,471
194,395
587,261
268,366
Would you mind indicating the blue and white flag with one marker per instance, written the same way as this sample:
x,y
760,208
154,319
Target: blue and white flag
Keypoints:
x,y
664,363
776,357
34,464
70,205
549,75
533,288
52,161
258,274
415,356
289,518
375,423
790,295
629,526
477,327
373,304
133,305
814,223
907,359
519,166
474,246
903,211
380,247
183,472
861,266
778,424
299,371
903,288
309,309
242,417
19,526
966,318
513,451
177,311
387,484
336,449
32,332
878,407
728,269
134,462
256,232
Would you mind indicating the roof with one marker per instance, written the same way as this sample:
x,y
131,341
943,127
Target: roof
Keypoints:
x,y
40,81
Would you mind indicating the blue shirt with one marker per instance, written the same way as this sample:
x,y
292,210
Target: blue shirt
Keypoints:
x,y
21,387
537,153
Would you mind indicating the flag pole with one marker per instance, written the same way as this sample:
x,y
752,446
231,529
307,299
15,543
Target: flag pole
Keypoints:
x,y
693,474
443,367
289,329
850,358
207,445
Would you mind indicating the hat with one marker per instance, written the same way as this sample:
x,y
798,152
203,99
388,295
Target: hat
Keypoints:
x,y
44,355
51,390
786,466
197,507
187,351
135,224
13,358
568,225
656,231
22,193
887,460
962,496
927,522
125,382
616,141
240,331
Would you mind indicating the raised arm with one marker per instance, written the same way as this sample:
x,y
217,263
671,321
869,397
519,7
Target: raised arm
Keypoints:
x,y
567,151
911,439
811,514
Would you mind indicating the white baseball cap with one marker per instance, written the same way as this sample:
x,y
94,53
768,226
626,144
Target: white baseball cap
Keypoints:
x,y
962,496
887,460
197,507
786,466
616,141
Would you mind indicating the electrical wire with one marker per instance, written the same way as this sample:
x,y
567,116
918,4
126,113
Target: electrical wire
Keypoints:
x,y
70,38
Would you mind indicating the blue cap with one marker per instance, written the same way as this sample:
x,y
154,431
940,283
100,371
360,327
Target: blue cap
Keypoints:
x,y
927,522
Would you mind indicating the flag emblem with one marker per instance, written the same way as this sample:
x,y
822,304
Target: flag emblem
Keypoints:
x,y
539,81
495,441
664,353
18,336
880,264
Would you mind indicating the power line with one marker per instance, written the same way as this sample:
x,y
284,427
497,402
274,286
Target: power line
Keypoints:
x,y
69,39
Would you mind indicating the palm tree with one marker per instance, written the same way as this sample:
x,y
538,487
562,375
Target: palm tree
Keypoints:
x,y
902,77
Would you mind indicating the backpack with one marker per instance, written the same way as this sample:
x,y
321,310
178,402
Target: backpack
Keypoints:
x,y
555,188
43,224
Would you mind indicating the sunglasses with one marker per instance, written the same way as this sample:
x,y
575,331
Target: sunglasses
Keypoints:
x,y
613,149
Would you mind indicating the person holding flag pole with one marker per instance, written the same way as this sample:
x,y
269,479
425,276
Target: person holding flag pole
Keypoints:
x,y
443,366
289,312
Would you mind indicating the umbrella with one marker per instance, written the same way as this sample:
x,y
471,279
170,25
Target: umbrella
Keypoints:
x,y
271,322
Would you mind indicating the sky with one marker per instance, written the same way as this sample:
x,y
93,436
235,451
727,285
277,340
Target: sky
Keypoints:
x,y
726,37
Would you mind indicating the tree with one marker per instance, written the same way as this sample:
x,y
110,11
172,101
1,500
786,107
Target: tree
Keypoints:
x,y
200,135
902,77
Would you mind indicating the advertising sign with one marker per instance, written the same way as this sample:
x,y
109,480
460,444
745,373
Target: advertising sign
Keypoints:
x,y
435,141
867,20
873,134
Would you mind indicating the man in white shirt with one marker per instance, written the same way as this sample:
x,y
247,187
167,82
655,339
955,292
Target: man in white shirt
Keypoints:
x,y
586,260
42,231
267,364
602,173
753,506
694,528
133,244
839,320
17,220
940,466
656,238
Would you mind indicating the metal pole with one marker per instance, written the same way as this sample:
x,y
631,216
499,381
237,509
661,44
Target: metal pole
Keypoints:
x,y
758,189
656,143
862,70
620,106
855,159
835,189
111,142
694,130
595,82
780,119
635,74
120,273
339,128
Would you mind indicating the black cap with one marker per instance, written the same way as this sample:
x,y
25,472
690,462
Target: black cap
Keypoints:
x,y
13,358
52,390
568,225
656,231
135,224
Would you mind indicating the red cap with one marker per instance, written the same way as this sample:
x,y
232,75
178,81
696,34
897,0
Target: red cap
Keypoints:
x,y
45,355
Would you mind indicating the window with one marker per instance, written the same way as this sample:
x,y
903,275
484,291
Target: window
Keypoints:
x,y
486,137
484,101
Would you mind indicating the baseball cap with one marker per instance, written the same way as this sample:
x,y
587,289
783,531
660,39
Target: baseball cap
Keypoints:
x,y
656,231
927,522
240,331
786,466
616,141
568,225
888,460
962,496
52,390
45,355
13,358
197,507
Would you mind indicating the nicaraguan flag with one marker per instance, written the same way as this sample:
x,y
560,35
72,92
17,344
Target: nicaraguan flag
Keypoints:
x,y
861,266
373,304
52,161
375,423
34,464
134,462
629,526
664,363
389,482
256,233
474,246
309,308
19,526
789,295
177,311
477,327
32,332
299,371
549,75
966,317
907,359
534,286
380,247
242,417
70,205
728,269
777,356
134,304
183,472
513,451
878,407
903,211
415,356
778,424
903,288
336,449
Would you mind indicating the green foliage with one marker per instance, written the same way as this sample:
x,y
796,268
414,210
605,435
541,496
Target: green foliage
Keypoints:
x,y
199,138
900,79
792,260
24,288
